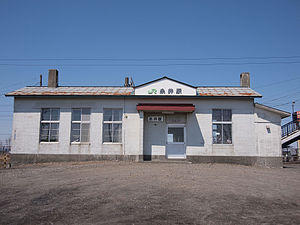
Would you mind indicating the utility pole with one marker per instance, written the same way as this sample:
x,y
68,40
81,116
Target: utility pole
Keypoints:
x,y
293,106
41,80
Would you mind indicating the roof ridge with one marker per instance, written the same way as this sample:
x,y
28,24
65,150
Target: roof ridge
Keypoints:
x,y
78,86
223,87
165,77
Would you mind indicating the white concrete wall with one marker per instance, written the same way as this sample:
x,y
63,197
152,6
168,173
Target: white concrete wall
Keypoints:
x,y
248,128
26,126
268,144
199,129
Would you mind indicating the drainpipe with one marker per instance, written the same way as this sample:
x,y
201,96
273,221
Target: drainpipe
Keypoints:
x,y
123,127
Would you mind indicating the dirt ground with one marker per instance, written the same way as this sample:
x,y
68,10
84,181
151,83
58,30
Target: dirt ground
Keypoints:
x,y
149,193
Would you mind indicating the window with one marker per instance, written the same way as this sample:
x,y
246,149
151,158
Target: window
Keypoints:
x,y
112,125
80,128
222,126
49,130
175,134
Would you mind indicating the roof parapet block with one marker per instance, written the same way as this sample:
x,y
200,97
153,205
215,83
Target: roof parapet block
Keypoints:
x,y
53,78
245,79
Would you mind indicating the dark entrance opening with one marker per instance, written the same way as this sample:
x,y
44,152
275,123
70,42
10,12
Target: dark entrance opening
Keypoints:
x,y
147,157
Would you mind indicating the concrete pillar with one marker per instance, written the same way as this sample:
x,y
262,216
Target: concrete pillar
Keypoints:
x,y
141,147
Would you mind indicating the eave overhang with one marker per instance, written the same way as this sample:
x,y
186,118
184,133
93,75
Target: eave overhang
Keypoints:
x,y
152,107
282,113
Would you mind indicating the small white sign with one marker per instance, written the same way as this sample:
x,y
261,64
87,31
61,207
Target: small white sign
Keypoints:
x,y
155,118
170,138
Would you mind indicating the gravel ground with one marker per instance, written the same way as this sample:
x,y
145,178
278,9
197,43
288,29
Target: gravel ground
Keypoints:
x,y
149,193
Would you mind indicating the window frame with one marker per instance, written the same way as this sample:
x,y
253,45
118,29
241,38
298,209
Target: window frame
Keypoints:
x,y
112,122
176,126
222,123
50,122
80,122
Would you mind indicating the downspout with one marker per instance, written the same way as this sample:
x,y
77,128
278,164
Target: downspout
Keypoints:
x,y
123,127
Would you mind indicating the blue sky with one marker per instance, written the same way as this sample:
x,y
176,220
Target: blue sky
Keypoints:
x,y
180,30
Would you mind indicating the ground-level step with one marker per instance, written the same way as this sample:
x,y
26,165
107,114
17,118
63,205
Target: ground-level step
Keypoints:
x,y
167,161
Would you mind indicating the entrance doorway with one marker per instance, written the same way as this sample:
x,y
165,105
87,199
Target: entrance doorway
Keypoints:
x,y
176,141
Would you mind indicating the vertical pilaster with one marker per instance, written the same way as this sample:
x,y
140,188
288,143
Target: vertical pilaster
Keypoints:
x,y
141,147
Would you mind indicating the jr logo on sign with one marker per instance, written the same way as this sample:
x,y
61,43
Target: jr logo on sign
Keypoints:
x,y
152,91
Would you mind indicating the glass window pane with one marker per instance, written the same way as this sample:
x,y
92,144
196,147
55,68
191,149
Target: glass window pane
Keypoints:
x,y
117,132
44,138
54,138
227,135
44,132
75,138
85,138
55,126
85,117
216,115
85,132
76,126
85,127
107,115
86,112
226,114
217,133
45,127
46,114
54,132
54,114
117,115
76,115
176,133
107,132
75,132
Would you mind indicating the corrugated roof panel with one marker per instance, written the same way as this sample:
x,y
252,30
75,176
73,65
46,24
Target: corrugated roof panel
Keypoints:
x,y
227,91
68,91
124,91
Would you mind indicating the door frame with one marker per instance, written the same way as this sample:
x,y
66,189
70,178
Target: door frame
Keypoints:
x,y
176,143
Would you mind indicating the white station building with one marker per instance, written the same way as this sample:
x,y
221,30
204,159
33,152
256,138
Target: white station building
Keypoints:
x,y
163,119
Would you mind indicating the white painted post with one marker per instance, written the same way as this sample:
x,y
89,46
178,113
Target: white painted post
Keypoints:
x,y
141,132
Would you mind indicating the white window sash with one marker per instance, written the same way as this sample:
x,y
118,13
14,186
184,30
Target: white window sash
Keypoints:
x,y
113,122
119,122
223,123
50,122
81,122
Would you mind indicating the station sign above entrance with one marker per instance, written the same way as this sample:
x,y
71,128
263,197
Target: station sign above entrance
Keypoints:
x,y
165,86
